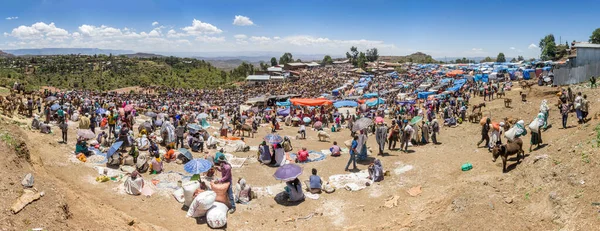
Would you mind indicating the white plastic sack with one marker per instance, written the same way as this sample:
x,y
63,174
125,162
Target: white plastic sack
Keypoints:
x,y
510,134
534,126
201,204
178,194
188,191
216,217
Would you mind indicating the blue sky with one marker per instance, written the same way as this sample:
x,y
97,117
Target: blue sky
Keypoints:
x,y
439,28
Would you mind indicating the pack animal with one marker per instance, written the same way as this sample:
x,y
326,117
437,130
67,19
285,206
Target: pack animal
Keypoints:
x,y
323,136
523,96
500,94
508,149
507,102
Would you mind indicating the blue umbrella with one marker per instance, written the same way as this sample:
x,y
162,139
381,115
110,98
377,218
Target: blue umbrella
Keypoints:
x,y
197,166
113,149
100,111
288,172
273,138
195,127
186,153
306,120
54,107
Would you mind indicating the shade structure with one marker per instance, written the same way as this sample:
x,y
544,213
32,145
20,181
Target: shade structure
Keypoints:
x,y
378,120
185,153
86,134
374,102
195,127
310,102
113,148
151,114
318,125
50,98
273,138
415,120
288,172
361,124
345,103
128,107
306,120
100,111
202,116
54,107
146,125
283,112
197,166
296,119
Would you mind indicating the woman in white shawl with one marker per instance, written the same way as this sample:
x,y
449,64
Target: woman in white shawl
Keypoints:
x,y
134,184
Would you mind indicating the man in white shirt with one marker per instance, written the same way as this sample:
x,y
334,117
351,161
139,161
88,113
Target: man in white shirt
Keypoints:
x,y
302,131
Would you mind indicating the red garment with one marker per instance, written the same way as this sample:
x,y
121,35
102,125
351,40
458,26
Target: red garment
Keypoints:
x,y
302,155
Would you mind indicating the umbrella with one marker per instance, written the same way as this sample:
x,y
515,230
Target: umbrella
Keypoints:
x,y
361,124
194,127
147,125
306,120
202,116
244,117
100,111
197,166
273,138
54,107
85,133
288,172
128,107
296,119
151,114
318,125
50,98
379,120
415,120
185,153
113,149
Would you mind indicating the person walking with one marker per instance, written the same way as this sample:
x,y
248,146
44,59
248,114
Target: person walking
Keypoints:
x,y
407,135
394,136
179,133
353,153
485,136
564,111
585,107
380,136
64,128
578,102
435,129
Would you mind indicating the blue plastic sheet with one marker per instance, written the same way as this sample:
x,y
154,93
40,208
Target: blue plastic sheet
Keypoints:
x,y
345,103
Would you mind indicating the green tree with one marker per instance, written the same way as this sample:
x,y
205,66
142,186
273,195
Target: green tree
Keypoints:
x,y
548,47
286,58
352,55
273,61
327,60
362,60
372,55
595,37
520,58
487,59
263,66
513,60
298,60
501,58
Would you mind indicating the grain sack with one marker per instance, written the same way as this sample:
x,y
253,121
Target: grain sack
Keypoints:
x,y
216,217
188,191
221,191
201,204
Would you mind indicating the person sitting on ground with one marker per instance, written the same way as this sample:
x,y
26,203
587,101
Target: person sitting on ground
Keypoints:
x,y
156,165
294,190
302,156
35,123
243,192
376,171
287,144
82,147
335,149
134,184
101,137
264,153
218,156
315,183
45,128
278,155
141,164
153,148
170,155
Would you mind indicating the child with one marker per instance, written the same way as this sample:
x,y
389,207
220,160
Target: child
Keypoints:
x,y
335,149
315,182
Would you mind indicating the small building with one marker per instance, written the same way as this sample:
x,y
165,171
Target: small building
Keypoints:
x,y
340,62
294,66
313,64
586,53
254,79
583,62
275,69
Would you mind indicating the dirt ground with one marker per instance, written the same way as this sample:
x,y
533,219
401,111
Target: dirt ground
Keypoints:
x,y
553,188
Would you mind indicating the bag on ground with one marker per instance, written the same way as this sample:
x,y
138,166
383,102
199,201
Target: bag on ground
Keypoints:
x,y
188,191
201,204
216,217
221,191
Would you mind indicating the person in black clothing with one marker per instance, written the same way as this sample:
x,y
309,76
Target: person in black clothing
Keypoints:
x,y
64,128
485,136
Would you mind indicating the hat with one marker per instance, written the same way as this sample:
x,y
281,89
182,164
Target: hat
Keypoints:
x,y
501,124
222,159
87,114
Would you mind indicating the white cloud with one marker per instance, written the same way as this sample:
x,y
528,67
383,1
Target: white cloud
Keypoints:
x,y
477,49
260,39
240,20
12,18
276,38
240,36
512,48
198,27
173,34
209,39
532,46
38,30
155,23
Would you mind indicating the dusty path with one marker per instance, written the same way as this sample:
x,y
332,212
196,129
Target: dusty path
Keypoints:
x,y
539,194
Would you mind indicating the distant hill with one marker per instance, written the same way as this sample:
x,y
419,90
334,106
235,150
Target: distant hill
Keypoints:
x,y
418,57
68,51
229,64
3,54
143,55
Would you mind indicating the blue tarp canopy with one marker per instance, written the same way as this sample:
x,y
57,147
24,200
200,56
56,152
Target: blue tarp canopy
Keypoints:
x,y
460,81
446,80
283,112
345,103
284,104
423,95
375,102
360,85
481,77
528,73
370,95
546,68
455,88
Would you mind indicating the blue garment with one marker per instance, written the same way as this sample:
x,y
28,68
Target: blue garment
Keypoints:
x,y
363,153
230,195
315,181
352,154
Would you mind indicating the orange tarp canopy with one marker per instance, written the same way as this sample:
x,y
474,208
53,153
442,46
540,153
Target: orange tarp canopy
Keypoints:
x,y
455,73
310,102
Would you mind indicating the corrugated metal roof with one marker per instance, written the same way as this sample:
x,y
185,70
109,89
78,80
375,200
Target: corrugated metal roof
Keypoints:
x,y
275,69
296,64
587,45
258,78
